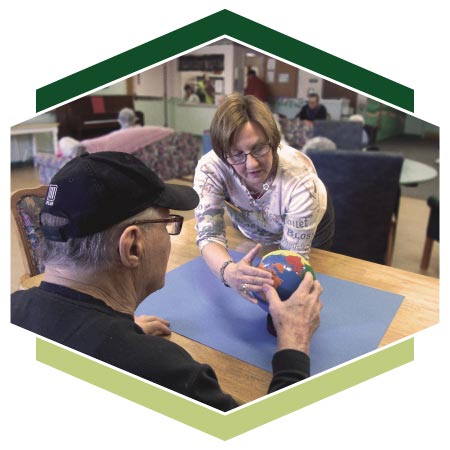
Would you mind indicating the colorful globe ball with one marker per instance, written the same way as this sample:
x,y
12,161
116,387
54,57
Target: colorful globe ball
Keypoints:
x,y
288,270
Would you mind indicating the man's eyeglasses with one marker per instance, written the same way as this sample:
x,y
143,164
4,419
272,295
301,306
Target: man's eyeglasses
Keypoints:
x,y
174,223
240,158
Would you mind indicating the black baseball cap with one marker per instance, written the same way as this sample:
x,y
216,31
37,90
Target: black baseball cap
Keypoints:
x,y
96,191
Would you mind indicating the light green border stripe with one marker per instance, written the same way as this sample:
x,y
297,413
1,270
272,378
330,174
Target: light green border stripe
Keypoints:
x,y
209,28
240,421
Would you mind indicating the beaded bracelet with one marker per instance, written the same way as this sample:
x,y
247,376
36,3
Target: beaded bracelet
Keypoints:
x,y
222,270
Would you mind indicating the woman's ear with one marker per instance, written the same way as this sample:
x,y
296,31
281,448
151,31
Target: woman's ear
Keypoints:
x,y
131,246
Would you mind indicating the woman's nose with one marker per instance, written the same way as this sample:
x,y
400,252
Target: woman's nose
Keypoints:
x,y
252,162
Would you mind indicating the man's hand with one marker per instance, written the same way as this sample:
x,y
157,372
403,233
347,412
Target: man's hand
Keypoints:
x,y
244,278
152,325
297,318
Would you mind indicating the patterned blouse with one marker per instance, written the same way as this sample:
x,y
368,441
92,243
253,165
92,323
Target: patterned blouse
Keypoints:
x,y
286,215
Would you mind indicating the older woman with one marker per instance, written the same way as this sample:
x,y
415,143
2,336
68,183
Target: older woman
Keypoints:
x,y
271,192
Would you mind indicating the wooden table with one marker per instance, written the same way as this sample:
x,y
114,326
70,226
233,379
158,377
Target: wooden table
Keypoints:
x,y
419,310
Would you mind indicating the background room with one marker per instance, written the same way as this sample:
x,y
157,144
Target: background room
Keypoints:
x,y
162,101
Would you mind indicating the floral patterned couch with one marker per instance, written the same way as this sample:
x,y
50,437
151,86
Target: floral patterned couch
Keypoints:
x,y
173,156
295,133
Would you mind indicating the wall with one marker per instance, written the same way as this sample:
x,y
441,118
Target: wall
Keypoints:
x,y
306,82
119,88
418,127
193,118
150,83
239,69
153,110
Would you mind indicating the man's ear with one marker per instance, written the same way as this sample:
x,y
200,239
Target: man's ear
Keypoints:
x,y
131,246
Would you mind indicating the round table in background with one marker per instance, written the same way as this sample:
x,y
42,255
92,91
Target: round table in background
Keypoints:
x,y
415,172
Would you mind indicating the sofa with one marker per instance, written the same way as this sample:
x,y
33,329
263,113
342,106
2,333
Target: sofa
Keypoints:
x,y
169,153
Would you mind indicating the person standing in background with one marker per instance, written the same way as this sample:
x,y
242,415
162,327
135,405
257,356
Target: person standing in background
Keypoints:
x,y
206,90
256,86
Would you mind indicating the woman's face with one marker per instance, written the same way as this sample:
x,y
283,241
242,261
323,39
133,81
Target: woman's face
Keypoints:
x,y
255,170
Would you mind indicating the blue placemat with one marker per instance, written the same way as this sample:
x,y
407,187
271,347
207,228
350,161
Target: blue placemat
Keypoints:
x,y
353,320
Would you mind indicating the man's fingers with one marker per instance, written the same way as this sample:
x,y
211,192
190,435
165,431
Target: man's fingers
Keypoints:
x,y
316,288
144,318
271,294
306,285
250,256
159,329
160,319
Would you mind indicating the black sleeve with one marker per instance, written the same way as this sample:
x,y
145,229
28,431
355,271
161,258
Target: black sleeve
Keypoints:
x,y
322,113
167,364
289,367
303,114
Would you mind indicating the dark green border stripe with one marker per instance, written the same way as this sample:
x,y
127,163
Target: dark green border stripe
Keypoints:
x,y
319,61
211,27
130,61
212,422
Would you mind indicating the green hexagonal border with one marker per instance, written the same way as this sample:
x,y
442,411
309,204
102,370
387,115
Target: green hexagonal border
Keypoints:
x,y
212,27
183,409
224,425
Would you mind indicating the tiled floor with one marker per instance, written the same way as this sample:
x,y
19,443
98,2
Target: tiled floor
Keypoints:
x,y
413,217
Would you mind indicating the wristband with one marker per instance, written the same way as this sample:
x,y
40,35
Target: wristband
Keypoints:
x,y
222,270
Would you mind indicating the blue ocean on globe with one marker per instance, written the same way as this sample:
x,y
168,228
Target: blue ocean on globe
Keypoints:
x,y
288,269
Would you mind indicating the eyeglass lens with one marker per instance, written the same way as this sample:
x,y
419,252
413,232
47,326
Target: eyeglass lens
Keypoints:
x,y
174,228
257,152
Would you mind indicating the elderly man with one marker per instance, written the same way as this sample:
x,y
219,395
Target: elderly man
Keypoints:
x,y
107,228
127,118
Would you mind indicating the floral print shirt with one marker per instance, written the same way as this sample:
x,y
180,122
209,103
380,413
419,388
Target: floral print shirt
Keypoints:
x,y
286,215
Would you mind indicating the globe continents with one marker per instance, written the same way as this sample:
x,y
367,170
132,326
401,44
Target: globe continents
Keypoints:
x,y
288,269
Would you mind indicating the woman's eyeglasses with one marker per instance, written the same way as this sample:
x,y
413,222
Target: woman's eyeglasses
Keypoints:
x,y
174,223
240,158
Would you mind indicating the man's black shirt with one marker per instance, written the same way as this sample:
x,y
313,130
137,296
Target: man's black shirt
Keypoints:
x,y
306,113
88,325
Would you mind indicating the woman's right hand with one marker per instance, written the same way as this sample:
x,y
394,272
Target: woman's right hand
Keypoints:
x,y
244,278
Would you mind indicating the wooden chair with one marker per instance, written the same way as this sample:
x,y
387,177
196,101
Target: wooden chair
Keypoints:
x,y
26,205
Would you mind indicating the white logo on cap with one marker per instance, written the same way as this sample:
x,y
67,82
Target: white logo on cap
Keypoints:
x,y
51,194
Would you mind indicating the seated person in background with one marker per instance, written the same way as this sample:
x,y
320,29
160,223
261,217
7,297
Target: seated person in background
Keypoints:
x,y
312,110
365,136
256,86
67,146
127,118
319,143
189,95
271,192
107,226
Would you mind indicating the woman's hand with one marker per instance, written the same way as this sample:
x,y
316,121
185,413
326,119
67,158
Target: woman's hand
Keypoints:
x,y
152,325
244,278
